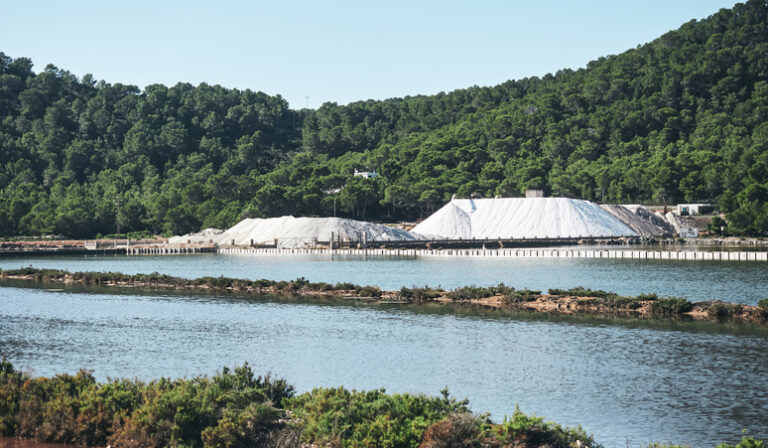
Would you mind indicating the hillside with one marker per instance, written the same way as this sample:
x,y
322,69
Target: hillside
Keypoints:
x,y
682,118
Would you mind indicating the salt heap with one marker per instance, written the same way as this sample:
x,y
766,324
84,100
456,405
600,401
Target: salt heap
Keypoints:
x,y
641,220
304,232
509,218
210,235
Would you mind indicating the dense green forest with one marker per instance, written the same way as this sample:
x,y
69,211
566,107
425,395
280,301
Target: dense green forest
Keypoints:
x,y
682,118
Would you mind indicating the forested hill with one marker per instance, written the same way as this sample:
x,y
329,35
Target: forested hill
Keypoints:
x,y
683,118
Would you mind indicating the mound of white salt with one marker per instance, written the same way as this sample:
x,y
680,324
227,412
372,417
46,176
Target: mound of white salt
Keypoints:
x,y
300,232
521,218
641,220
210,235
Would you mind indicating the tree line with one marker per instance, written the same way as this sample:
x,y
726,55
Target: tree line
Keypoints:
x,y
682,118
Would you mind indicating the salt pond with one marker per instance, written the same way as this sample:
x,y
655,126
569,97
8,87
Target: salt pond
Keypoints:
x,y
686,382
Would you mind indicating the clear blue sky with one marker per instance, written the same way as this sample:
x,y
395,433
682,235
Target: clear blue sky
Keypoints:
x,y
338,51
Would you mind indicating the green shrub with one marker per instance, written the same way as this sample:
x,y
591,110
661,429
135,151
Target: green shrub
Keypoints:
x,y
341,417
524,430
580,291
670,306
619,302
520,296
425,293
369,291
469,293
746,442
763,304
479,292
724,310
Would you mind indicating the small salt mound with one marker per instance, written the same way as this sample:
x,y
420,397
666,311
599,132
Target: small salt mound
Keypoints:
x,y
300,232
640,219
449,220
509,218
204,236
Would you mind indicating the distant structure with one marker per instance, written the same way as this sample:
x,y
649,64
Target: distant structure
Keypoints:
x,y
694,209
366,174
534,193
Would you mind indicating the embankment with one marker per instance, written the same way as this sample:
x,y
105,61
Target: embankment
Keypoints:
x,y
556,301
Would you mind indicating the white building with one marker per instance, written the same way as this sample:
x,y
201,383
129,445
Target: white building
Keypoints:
x,y
693,209
366,174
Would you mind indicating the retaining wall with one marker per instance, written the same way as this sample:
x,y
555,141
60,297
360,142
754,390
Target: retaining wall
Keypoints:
x,y
516,253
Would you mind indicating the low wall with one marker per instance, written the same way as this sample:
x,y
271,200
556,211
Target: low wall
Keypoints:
x,y
516,253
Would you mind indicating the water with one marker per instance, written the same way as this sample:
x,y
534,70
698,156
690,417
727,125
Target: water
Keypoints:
x,y
691,383
739,282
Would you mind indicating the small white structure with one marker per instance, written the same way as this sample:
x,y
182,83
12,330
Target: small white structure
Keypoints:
x,y
689,232
534,193
693,209
366,174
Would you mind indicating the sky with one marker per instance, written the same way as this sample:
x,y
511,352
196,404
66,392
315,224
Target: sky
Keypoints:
x,y
311,52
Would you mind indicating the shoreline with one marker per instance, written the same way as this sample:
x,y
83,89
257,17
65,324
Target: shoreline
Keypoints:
x,y
575,301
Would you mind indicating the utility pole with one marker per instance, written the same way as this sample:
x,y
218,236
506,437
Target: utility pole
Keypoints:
x,y
117,215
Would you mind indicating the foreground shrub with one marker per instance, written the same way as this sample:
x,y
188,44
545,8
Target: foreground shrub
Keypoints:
x,y
532,431
763,304
346,418
746,442
456,430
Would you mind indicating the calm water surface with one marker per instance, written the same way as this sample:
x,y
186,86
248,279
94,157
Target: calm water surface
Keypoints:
x,y
740,282
690,383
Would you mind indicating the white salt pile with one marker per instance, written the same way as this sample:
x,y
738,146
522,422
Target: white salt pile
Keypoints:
x,y
641,220
304,232
508,218
210,235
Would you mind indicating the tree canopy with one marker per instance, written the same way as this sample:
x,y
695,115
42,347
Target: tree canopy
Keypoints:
x,y
682,118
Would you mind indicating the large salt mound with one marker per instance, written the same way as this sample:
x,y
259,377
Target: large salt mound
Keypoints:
x,y
300,232
204,236
641,220
509,218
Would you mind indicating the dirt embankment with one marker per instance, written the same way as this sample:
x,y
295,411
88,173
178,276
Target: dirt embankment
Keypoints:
x,y
563,302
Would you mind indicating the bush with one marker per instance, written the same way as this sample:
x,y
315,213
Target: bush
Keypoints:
x,y
478,292
520,296
523,430
346,286
580,291
724,310
369,291
670,306
469,293
421,294
763,304
341,417
456,430
746,442
619,302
